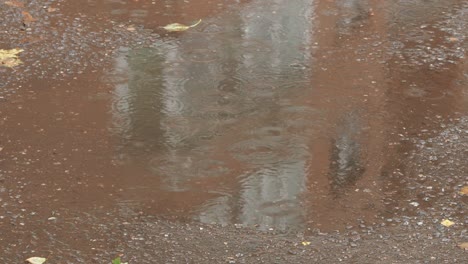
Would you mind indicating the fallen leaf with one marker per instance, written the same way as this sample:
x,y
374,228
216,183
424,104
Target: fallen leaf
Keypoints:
x,y
453,39
447,223
180,27
36,260
15,3
9,58
463,245
464,190
305,243
27,17
51,9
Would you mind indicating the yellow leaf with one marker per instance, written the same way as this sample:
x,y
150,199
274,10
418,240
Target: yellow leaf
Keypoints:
x,y
305,243
447,223
9,58
464,190
463,245
180,27
36,260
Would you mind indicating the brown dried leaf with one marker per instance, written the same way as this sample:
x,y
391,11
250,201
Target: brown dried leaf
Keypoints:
x,y
27,17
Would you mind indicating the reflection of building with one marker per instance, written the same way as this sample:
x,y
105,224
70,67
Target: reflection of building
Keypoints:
x,y
252,119
273,41
201,107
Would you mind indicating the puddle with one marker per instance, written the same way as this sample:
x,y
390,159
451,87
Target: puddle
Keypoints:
x,y
279,120
284,115
224,110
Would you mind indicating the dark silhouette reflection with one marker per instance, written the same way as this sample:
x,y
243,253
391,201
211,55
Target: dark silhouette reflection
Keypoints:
x,y
345,162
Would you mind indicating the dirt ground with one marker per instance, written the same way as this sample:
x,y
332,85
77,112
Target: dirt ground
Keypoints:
x,y
335,132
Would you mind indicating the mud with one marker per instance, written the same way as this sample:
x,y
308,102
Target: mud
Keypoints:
x,y
340,123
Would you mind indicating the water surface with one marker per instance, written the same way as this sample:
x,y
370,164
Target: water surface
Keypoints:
x,y
285,114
